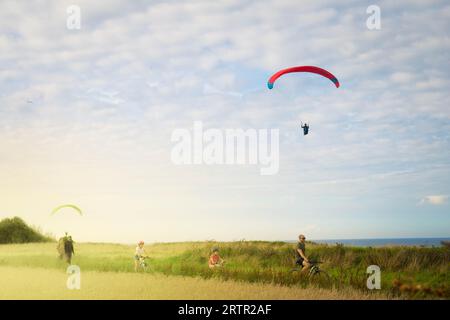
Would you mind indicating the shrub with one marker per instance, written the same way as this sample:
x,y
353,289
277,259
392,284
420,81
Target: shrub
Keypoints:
x,y
15,230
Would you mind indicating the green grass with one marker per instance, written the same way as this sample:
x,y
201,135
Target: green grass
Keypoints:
x,y
405,271
272,262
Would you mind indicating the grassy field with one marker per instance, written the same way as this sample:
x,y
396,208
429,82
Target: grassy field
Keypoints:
x,y
38,283
254,270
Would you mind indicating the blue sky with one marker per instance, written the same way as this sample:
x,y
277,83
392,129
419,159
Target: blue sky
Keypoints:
x,y
106,98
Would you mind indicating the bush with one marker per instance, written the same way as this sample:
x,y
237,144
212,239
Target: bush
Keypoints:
x,y
15,230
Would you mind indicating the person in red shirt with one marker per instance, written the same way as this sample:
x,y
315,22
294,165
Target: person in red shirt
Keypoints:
x,y
215,260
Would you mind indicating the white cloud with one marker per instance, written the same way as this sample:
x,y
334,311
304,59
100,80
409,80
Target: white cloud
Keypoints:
x,y
435,199
113,91
402,77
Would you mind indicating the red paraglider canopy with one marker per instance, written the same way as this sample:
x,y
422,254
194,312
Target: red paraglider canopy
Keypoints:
x,y
311,69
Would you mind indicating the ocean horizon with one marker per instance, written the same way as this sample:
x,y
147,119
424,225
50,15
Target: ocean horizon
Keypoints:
x,y
379,242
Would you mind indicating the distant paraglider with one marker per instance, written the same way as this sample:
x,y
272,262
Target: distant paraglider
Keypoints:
x,y
66,244
310,69
71,206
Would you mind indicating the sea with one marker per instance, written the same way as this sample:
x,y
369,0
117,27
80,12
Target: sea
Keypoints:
x,y
419,242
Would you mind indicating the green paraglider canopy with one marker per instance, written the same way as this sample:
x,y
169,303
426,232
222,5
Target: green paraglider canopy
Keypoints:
x,y
57,209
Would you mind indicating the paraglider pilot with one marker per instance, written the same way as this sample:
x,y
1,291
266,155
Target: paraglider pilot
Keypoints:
x,y
305,128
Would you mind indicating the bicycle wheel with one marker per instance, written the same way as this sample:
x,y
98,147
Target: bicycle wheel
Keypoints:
x,y
143,265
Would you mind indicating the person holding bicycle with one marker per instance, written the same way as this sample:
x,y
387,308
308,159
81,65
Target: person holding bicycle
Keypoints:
x,y
300,253
139,254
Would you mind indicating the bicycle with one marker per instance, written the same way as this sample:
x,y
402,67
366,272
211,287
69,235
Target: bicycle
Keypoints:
x,y
142,263
316,274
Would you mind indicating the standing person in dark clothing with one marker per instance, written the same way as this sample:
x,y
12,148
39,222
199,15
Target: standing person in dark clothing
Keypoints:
x,y
68,249
300,253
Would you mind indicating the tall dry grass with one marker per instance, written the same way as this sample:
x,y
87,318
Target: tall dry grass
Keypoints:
x,y
37,283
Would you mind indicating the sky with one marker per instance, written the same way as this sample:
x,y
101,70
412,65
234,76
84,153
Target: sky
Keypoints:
x,y
86,117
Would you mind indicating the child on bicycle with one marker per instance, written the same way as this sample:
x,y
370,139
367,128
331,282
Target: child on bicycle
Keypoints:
x,y
139,254
215,260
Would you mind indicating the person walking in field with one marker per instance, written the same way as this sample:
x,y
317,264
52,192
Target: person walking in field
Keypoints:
x,y
66,248
139,254
69,249
215,260
300,253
